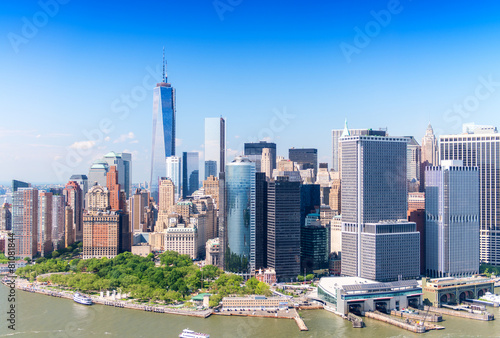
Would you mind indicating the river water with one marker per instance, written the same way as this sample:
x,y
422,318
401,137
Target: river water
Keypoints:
x,y
44,316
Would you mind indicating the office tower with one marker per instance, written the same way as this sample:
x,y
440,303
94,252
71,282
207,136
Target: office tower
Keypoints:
x,y
222,226
452,220
97,199
163,131
240,218
416,201
115,198
267,163
374,208
182,239
103,234
286,165
430,148
25,221
19,184
174,172
324,180
123,164
413,159
190,173
306,158
97,173
69,226
314,240
309,200
254,152
82,181
211,188
336,234
167,195
417,216
45,223
138,203
210,168
215,144
204,218
479,146
337,133
283,228
335,194
5,217
260,220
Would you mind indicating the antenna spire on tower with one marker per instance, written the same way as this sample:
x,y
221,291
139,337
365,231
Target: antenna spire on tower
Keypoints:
x,y
163,75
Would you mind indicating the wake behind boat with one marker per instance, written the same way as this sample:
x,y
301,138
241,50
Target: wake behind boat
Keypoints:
x,y
82,299
187,333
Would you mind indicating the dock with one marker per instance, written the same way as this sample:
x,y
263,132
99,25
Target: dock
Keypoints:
x,y
300,323
356,321
431,317
407,324
483,315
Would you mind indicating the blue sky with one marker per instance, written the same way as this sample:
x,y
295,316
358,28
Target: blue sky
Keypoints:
x,y
80,83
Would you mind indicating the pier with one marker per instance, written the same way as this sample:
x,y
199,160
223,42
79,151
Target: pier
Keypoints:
x,y
430,317
483,315
407,325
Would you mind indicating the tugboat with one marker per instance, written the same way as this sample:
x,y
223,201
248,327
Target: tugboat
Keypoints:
x,y
82,299
187,333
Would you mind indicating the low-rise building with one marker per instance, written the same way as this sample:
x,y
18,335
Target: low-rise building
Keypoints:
x,y
212,252
255,302
358,295
451,290
267,276
141,250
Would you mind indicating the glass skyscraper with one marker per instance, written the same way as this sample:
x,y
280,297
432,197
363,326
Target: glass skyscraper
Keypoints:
x,y
174,172
240,194
215,145
163,132
190,173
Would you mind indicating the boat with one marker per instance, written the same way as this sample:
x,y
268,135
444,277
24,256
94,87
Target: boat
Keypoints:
x,y
82,299
187,333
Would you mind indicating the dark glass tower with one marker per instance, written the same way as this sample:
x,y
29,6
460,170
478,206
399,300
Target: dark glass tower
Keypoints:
x,y
163,131
254,152
283,228
260,220
306,157
190,173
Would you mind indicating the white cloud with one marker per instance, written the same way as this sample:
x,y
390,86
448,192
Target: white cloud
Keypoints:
x,y
84,145
125,137
107,138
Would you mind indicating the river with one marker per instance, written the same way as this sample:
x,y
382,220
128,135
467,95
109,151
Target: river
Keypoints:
x,y
43,316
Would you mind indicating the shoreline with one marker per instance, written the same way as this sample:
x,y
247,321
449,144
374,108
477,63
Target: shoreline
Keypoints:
x,y
148,308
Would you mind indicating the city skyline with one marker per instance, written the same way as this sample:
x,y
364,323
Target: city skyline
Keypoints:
x,y
402,71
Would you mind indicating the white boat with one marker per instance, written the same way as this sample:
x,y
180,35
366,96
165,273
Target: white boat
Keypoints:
x,y
187,333
82,299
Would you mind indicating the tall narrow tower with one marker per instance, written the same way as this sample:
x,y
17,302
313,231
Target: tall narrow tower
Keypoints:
x,y
163,130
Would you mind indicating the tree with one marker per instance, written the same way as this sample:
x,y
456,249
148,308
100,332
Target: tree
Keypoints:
x,y
55,254
300,278
27,259
310,276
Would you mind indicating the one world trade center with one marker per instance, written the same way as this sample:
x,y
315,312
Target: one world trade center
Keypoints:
x,y
163,130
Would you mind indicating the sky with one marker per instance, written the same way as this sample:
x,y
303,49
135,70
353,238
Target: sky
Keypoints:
x,y
77,77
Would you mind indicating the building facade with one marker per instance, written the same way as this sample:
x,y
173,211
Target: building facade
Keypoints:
x,y
45,223
254,152
479,146
190,173
215,145
163,131
452,220
283,228
25,221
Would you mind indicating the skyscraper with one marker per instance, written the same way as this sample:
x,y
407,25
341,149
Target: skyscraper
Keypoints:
x,y
240,192
254,152
430,148
452,220
45,223
25,221
306,158
190,173
174,172
260,220
266,163
215,144
479,146
73,196
137,210
337,133
374,208
283,228
97,173
5,217
210,168
123,164
163,130
58,206
82,181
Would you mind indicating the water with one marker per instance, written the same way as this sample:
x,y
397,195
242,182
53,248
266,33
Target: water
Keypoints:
x,y
44,316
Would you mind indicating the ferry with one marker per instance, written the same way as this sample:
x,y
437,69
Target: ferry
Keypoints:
x,y
187,333
82,299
